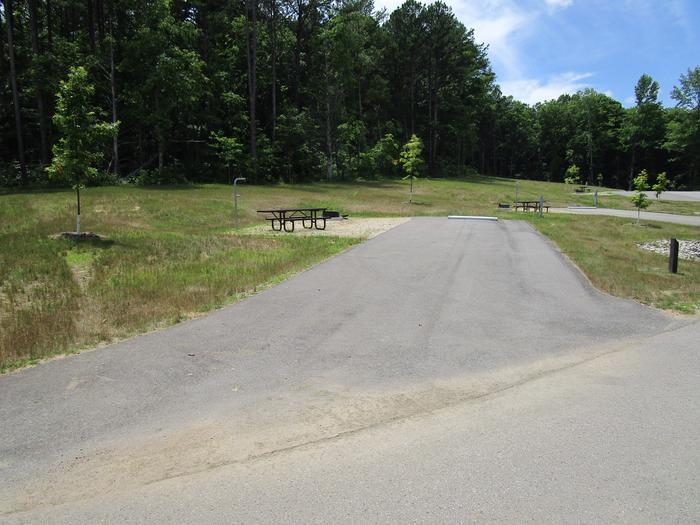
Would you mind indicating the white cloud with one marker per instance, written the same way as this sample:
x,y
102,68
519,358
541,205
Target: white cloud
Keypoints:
x,y
558,3
497,24
533,90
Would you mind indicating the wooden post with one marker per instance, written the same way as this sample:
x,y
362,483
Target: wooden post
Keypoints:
x,y
673,257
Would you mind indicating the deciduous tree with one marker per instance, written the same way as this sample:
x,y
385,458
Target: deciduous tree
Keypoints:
x,y
82,134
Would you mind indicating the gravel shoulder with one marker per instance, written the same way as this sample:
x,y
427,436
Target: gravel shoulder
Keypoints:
x,y
687,249
361,228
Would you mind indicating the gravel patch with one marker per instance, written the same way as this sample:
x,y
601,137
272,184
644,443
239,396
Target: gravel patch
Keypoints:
x,y
687,249
363,228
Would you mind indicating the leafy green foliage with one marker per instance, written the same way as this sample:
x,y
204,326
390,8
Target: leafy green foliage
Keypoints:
x,y
684,126
410,158
572,175
687,94
228,149
661,185
640,199
82,132
411,161
644,126
383,158
333,80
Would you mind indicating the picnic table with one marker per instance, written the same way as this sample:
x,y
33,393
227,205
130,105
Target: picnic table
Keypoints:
x,y
285,218
530,205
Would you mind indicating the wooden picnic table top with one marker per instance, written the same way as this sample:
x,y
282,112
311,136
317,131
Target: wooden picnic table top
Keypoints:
x,y
282,210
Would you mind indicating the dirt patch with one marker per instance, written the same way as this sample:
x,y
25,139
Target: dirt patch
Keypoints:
x,y
362,228
92,236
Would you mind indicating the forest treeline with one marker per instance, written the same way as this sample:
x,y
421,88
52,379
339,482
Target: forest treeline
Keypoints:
x,y
295,90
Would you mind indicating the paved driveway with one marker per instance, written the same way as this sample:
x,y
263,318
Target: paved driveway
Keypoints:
x,y
687,196
431,316
631,214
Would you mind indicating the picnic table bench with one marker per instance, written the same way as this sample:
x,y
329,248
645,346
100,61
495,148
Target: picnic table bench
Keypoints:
x,y
285,218
530,205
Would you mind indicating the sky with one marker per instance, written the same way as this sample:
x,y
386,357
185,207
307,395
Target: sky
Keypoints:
x,y
540,49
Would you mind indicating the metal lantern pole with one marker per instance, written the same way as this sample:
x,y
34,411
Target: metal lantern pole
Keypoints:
x,y
235,200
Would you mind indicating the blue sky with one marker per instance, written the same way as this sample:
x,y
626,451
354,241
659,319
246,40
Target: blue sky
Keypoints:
x,y
540,49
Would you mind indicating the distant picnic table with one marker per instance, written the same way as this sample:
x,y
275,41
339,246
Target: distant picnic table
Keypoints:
x,y
530,205
285,218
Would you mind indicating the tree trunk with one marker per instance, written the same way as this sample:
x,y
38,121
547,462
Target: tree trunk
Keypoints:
x,y
590,158
100,20
413,106
15,94
329,144
435,126
413,103
430,126
359,96
273,35
631,175
49,23
43,127
296,59
251,7
91,24
161,153
113,88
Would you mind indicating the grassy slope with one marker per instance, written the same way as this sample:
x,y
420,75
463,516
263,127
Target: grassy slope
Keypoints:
x,y
605,249
172,253
169,256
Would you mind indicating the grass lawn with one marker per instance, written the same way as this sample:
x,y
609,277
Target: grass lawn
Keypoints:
x,y
171,252
605,249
